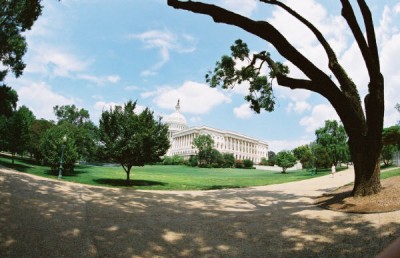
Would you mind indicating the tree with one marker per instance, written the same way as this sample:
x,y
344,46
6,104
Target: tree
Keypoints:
x,y
229,160
52,146
398,109
17,131
333,138
133,139
271,158
363,128
36,132
304,154
71,114
84,131
387,153
204,144
391,135
8,101
16,16
285,160
322,158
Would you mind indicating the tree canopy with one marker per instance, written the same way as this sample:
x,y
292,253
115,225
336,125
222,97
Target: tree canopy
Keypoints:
x,y
333,138
8,100
16,16
133,139
16,131
285,160
364,128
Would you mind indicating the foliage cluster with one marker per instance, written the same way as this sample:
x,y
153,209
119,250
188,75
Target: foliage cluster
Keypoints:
x,y
208,157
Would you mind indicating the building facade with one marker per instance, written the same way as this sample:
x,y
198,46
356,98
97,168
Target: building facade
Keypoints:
x,y
181,138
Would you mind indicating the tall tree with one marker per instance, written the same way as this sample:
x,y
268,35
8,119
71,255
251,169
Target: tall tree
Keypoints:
x,y
59,141
8,100
16,16
36,132
133,139
363,128
204,144
84,132
333,138
304,154
71,114
17,131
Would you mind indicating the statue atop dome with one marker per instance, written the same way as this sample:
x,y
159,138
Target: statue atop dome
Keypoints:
x,y
178,107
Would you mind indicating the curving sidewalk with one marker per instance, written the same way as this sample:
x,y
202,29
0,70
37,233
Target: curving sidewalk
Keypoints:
x,y
50,218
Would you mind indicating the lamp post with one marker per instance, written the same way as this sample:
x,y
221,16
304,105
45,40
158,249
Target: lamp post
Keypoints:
x,y
64,140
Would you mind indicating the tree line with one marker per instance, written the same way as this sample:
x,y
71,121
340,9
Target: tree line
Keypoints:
x,y
331,148
123,136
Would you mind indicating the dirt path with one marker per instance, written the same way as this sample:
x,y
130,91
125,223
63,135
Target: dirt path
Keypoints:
x,y
47,218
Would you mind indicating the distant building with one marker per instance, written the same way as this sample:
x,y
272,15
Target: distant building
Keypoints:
x,y
181,137
396,159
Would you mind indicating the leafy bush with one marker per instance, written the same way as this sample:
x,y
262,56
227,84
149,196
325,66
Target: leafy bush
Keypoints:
x,y
264,161
193,162
174,160
52,145
247,163
229,160
239,164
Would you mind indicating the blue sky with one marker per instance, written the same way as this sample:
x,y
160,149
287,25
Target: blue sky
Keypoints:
x,y
96,54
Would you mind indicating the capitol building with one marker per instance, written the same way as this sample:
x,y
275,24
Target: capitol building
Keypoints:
x,y
181,137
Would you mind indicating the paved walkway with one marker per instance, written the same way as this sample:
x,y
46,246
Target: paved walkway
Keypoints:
x,y
49,218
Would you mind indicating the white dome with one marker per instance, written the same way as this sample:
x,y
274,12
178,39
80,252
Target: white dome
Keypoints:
x,y
176,121
175,118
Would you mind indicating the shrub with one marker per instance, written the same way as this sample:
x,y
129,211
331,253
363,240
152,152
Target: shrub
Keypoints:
x,y
229,160
193,162
247,163
174,160
264,161
239,164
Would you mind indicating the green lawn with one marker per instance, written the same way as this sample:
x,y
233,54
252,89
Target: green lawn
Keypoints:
x,y
170,177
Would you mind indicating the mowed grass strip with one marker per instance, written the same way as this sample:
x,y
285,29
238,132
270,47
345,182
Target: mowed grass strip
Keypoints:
x,y
158,177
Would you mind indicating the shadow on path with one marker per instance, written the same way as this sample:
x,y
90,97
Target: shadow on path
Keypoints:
x,y
43,218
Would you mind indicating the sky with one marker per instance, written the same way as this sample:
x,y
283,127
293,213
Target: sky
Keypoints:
x,y
98,54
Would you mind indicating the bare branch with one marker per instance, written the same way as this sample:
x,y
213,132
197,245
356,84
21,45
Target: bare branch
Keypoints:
x,y
348,14
369,26
261,29
334,66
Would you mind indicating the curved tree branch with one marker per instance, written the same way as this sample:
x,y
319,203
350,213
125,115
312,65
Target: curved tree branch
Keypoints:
x,y
319,81
348,14
347,85
369,26
261,29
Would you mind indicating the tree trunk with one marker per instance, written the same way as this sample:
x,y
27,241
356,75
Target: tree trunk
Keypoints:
x,y
366,169
128,172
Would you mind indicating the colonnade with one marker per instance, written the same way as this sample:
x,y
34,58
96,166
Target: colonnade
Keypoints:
x,y
240,148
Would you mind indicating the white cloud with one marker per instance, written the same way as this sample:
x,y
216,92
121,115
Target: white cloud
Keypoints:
x,y
299,107
244,111
132,88
41,99
165,42
319,114
195,98
52,61
279,145
101,106
244,7
100,80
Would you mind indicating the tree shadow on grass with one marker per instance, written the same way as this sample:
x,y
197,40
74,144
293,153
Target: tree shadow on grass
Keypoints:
x,y
19,167
219,187
122,182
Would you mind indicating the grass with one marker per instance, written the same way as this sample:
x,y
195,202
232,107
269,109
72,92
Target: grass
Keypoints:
x,y
159,177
